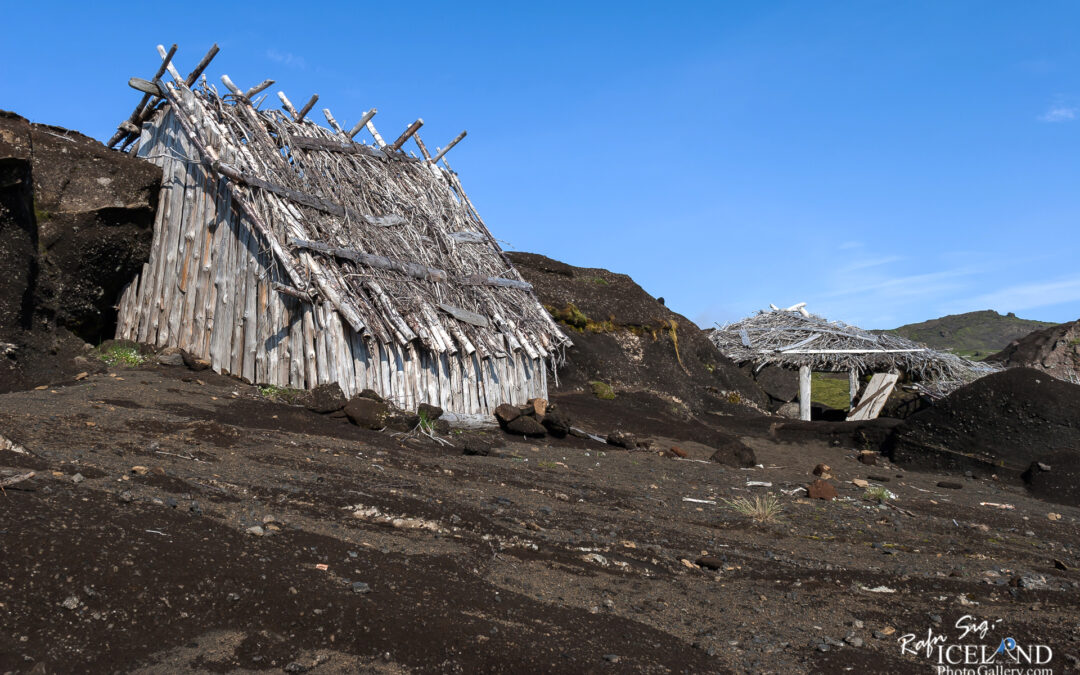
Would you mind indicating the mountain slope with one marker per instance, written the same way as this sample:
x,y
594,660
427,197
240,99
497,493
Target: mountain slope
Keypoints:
x,y
974,334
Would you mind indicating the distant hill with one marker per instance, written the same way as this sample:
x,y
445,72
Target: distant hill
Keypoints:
x,y
975,335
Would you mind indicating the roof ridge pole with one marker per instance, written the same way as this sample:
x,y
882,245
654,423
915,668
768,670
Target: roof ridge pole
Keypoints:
x,y
170,67
413,128
307,107
287,104
362,123
194,75
122,133
442,153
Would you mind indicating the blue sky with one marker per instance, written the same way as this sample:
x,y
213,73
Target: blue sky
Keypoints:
x,y
885,162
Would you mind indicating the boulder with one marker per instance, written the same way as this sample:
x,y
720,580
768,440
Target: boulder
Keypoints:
x,y
621,439
820,489
370,394
366,412
557,423
429,412
779,383
526,426
731,451
399,420
539,406
198,364
506,414
324,399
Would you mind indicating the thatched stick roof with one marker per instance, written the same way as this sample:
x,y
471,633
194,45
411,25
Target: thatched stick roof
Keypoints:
x,y
794,337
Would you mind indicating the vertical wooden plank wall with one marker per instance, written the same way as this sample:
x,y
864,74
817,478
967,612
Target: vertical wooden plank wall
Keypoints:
x,y
208,290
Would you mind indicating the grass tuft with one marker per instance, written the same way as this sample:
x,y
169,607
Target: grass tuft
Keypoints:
x,y
602,390
763,509
878,494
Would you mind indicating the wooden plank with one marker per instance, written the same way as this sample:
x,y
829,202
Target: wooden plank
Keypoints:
x,y
853,387
311,372
873,400
804,392
465,315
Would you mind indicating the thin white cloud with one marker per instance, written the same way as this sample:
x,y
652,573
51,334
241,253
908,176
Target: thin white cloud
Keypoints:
x,y
926,285
1028,296
867,264
286,58
1059,113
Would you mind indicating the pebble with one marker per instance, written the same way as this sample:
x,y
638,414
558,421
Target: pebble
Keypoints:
x,y
126,497
71,602
612,658
78,478
857,623
256,530
854,641
360,588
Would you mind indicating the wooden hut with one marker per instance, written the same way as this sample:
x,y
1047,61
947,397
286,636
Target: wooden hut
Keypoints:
x,y
794,338
292,254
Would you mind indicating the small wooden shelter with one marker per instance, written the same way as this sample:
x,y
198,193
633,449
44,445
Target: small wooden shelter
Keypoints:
x,y
291,254
796,339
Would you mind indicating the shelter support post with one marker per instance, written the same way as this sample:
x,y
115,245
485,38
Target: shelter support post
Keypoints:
x,y
853,387
804,392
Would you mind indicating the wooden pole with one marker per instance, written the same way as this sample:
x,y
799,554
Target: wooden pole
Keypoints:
x,y
457,139
121,133
287,104
423,148
265,84
194,75
307,107
413,128
363,122
853,387
804,392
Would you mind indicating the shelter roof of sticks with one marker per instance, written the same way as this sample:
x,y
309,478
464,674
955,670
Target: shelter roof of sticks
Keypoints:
x,y
389,238
794,337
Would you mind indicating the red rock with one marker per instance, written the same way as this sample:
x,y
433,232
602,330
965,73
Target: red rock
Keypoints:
x,y
820,489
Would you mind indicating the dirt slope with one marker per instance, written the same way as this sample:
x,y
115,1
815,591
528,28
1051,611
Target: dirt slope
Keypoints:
x,y
626,338
75,227
1054,350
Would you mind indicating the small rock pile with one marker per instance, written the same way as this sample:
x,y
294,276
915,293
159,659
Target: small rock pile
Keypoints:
x,y
535,419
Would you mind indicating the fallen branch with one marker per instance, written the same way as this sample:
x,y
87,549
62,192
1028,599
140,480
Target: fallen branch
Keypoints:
x,y
7,482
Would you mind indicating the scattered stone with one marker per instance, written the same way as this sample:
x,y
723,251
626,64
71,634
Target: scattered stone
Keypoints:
x,y
71,602
868,457
475,445
171,359
879,479
126,497
269,518
506,414
256,530
367,412
539,406
402,421
884,633
678,452
622,439
857,623
360,588
859,482
139,470
1031,582
371,394
557,423
82,376
854,641
195,508
324,399
1060,565
296,667
1054,516
822,647
820,489
78,478
526,426
949,485
194,363
822,471
612,658
709,562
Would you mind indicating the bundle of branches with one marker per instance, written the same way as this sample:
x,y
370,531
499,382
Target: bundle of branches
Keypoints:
x,y
793,337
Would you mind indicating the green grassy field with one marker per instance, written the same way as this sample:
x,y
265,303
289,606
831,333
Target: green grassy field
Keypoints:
x,y
830,389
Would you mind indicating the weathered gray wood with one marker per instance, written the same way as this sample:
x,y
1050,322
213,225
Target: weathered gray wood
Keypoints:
x,y
231,86
804,393
265,84
451,144
307,107
873,400
477,280
149,87
290,291
853,387
412,269
412,129
136,116
287,104
465,315
362,123
201,66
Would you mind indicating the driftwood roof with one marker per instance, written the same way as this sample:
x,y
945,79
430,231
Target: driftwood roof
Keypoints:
x,y
390,239
794,337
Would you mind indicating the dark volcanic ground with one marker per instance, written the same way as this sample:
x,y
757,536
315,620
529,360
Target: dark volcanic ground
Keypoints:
x,y
131,551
